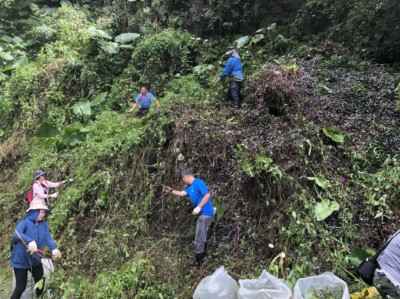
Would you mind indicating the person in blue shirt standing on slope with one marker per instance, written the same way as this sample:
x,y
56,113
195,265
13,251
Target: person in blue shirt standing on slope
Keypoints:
x,y
144,99
233,68
200,197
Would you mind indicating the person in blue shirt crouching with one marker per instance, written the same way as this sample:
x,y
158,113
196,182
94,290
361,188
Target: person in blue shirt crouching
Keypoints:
x,y
233,68
144,99
200,197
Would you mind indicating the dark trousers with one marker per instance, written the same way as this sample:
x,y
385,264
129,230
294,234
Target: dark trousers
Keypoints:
x,y
234,88
21,278
142,112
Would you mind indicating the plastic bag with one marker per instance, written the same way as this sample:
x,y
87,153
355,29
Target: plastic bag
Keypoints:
x,y
266,286
326,285
219,285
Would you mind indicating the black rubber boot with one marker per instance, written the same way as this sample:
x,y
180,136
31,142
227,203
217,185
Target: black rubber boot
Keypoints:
x,y
205,249
199,259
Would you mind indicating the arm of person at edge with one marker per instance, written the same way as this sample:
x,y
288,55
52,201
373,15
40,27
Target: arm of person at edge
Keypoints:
x,y
178,193
133,107
227,68
21,227
54,185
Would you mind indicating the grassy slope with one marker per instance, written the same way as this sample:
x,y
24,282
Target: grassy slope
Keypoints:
x,y
256,164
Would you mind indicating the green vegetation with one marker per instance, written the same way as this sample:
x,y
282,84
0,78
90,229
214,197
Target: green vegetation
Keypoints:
x,y
310,164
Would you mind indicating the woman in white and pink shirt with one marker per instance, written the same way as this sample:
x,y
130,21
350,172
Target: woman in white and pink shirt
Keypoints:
x,y
41,188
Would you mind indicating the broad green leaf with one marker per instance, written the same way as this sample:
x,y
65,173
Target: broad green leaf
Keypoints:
x,y
100,98
362,254
6,56
146,9
325,208
257,38
82,108
240,42
321,182
334,135
39,284
72,136
94,32
109,47
126,37
126,47
47,129
1,133
17,40
6,38
20,60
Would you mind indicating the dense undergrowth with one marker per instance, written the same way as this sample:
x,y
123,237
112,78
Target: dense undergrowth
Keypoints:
x,y
310,164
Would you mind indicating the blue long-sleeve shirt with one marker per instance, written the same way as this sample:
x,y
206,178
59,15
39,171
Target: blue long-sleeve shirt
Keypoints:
x,y
29,230
233,68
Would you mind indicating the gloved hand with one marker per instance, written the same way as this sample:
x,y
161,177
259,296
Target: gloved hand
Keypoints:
x,y
167,189
63,182
56,254
196,211
70,180
54,195
32,247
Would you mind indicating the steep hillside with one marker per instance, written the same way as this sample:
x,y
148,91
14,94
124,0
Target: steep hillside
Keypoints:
x,y
310,163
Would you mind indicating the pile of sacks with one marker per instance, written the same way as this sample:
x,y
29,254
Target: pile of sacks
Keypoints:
x,y
220,285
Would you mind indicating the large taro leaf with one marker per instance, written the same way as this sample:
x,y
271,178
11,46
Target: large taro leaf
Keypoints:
x,y
72,134
47,129
325,208
94,32
82,108
240,42
126,37
100,98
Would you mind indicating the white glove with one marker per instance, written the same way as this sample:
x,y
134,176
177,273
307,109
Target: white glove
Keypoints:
x,y
196,211
54,195
70,180
56,254
32,247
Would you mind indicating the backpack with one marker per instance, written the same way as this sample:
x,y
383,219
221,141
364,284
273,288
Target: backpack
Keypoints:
x,y
29,197
30,194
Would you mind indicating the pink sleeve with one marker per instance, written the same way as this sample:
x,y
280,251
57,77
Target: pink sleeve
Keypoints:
x,y
51,184
38,191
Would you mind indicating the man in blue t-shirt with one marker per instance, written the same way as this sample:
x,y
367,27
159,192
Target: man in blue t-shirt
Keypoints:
x,y
144,99
200,197
233,69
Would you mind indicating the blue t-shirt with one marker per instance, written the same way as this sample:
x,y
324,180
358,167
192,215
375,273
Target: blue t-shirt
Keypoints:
x,y
196,192
146,101
233,68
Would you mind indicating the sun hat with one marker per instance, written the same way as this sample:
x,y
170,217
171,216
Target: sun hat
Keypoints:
x,y
37,205
38,173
